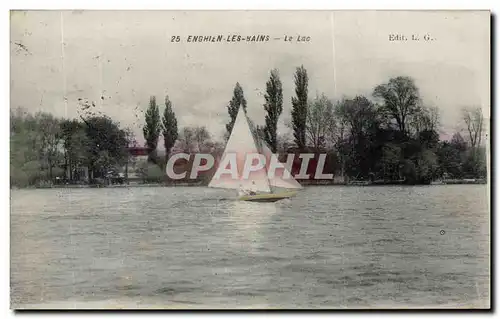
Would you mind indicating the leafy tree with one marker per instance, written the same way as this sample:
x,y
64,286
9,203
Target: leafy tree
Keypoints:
x,y
320,122
361,124
428,139
79,151
425,119
449,160
475,161
390,161
234,105
299,107
25,144
169,128
458,142
260,132
400,98
34,147
473,118
285,141
25,141
202,138
75,145
187,140
273,107
427,164
50,140
338,136
409,171
195,139
151,130
107,145
481,169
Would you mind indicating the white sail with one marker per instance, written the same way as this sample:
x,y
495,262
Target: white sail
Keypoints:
x,y
241,142
278,180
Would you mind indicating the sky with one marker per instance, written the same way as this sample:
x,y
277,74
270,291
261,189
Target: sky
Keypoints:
x,y
118,59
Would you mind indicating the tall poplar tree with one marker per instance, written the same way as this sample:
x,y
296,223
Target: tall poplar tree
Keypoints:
x,y
273,107
151,130
169,128
299,108
234,105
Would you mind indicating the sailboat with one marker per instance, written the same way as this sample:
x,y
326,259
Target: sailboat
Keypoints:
x,y
258,187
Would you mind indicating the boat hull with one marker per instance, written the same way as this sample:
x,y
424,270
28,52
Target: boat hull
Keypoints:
x,y
266,198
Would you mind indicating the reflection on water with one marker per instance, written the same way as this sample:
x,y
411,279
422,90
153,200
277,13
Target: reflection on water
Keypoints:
x,y
249,220
328,247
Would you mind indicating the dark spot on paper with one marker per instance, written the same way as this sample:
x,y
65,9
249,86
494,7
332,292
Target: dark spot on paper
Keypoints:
x,y
23,47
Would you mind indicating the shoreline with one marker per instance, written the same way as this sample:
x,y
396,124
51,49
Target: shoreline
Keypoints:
x,y
352,184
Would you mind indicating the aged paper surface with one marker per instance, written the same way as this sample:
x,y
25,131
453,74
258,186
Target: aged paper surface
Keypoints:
x,y
398,102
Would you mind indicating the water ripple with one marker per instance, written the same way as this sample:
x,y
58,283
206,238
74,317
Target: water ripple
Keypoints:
x,y
328,247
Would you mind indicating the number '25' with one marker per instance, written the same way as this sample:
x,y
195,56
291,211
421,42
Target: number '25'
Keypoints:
x,y
175,38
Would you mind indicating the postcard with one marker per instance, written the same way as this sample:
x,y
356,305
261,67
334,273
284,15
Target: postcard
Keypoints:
x,y
250,159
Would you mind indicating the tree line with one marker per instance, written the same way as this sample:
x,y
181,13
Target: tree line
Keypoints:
x,y
44,147
390,135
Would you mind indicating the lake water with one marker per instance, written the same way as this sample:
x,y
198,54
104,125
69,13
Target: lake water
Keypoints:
x,y
189,247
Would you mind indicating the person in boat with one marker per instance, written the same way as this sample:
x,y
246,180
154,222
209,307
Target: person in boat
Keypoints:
x,y
251,191
246,192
